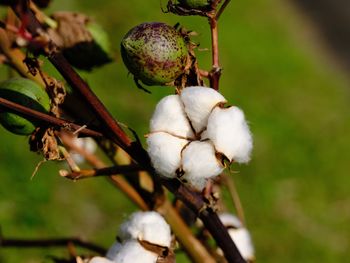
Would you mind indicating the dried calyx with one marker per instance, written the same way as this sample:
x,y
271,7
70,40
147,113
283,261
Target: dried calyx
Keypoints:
x,y
84,42
26,93
192,134
155,53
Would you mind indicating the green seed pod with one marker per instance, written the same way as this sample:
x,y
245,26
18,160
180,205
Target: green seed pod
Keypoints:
x,y
154,53
197,4
27,93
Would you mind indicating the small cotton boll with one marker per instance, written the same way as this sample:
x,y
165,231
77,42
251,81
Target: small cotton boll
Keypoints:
x,y
169,116
165,152
199,102
229,131
87,144
230,220
200,163
239,234
243,241
100,260
113,250
146,226
132,252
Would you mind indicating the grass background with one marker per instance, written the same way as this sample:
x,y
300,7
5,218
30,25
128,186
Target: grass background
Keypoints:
x,y
295,191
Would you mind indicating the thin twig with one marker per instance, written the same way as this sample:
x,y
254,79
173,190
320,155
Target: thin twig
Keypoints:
x,y
108,171
215,73
37,115
221,10
231,186
50,242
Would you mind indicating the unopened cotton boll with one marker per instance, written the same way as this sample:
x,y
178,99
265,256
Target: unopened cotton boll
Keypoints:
x,y
132,252
113,250
146,226
165,152
229,131
200,163
240,235
100,260
169,116
199,102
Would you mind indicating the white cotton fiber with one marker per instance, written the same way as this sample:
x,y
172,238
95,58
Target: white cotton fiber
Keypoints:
x,y
146,226
87,144
239,234
199,102
165,152
100,260
229,131
113,250
132,252
169,116
230,220
243,241
200,163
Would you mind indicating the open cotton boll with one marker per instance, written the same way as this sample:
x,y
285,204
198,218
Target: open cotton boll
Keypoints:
x,y
239,234
132,252
243,241
100,260
199,102
113,250
169,116
229,131
165,152
146,226
200,163
230,220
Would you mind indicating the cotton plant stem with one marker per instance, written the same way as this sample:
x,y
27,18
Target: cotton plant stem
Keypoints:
x,y
118,180
198,253
37,115
50,242
107,171
15,58
231,186
215,73
116,134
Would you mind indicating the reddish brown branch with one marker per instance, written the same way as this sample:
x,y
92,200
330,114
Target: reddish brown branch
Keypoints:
x,y
108,171
37,115
50,242
215,73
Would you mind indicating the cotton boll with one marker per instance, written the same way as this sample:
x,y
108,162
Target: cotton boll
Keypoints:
x,y
87,144
199,102
200,163
146,226
243,241
113,251
165,152
230,220
239,234
169,116
132,252
100,260
229,131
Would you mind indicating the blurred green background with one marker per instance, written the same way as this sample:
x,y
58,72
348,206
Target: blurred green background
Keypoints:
x,y
295,191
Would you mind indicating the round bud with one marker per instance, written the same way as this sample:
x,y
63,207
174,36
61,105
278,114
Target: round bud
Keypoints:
x,y
27,93
154,53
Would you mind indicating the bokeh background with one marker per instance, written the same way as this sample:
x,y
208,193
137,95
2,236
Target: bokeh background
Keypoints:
x,y
282,68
